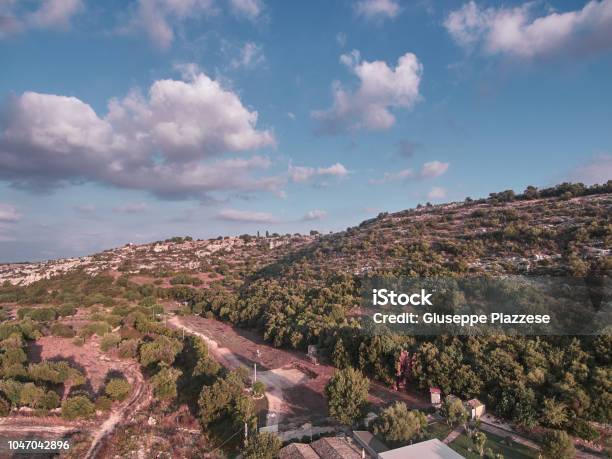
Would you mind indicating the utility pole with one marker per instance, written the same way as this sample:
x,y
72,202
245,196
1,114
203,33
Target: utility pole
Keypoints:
x,y
246,434
254,373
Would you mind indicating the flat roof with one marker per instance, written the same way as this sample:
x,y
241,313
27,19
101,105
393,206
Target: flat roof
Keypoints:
x,y
430,449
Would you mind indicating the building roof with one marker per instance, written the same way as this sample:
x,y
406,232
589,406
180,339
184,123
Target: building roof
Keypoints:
x,y
474,403
325,448
335,448
430,449
435,390
367,439
297,451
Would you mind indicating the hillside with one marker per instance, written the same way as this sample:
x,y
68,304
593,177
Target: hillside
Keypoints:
x,y
150,314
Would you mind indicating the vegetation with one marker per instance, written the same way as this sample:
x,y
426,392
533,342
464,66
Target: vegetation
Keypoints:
x,y
264,445
77,407
347,392
398,426
118,388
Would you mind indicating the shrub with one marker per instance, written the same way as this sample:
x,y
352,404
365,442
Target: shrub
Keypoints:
x,y
67,309
77,407
109,341
78,341
259,388
118,388
62,330
103,403
5,407
128,348
96,328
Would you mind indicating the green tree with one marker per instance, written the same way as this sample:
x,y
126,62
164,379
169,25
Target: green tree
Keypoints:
x,y
397,425
347,392
162,349
118,388
557,444
265,445
454,411
554,414
259,389
340,357
164,383
77,407
479,439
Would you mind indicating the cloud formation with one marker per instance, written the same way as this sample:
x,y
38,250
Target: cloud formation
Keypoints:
x,y
377,9
313,215
246,216
8,213
303,174
249,9
433,169
428,170
381,89
167,142
47,14
160,18
517,31
131,208
249,56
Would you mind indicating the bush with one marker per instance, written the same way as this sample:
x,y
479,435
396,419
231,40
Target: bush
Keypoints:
x,y
118,388
259,388
78,341
96,328
67,309
109,341
128,348
62,330
77,407
584,430
103,403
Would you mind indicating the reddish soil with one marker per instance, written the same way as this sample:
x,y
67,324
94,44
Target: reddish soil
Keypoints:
x,y
305,400
88,358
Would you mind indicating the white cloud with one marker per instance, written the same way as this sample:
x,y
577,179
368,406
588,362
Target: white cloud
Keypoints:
x,y
246,216
160,18
47,14
433,169
315,214
9,214
249,9
436,193
393,177
250,56
381,89
131,208
377,9
520,33
341,39
164,142
303,174
596,170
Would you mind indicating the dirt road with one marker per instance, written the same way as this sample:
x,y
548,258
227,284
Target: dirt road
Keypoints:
x,y
138,398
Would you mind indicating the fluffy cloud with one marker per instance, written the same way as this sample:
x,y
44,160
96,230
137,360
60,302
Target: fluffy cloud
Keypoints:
x,y
249,9
433,169
596,170
9,214
518,32
302,174
381,88
159,18
167,142
246,216
377,9
48,14
313,215
436,193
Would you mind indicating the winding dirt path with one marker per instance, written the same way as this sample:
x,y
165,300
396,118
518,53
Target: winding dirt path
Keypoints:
x,y
139,396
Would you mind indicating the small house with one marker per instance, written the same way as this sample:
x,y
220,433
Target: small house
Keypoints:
x,y
475,408
435,395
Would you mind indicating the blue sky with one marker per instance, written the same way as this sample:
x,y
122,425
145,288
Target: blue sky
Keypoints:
x,y
133,121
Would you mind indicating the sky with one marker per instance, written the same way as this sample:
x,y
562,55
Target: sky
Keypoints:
x,y
135,121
